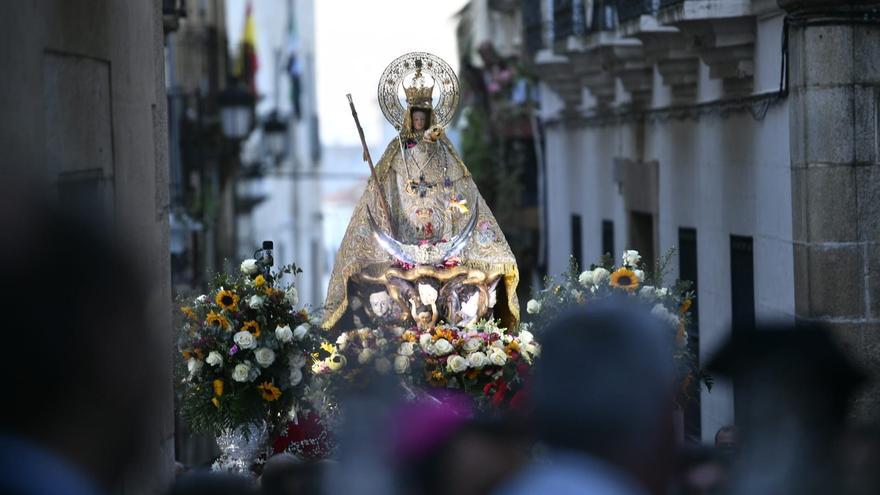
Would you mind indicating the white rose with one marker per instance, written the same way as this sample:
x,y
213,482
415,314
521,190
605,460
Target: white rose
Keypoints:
x,y
194,366
283,334
203,299
264,356
600,274
401,364
342,341
365,356
424,340
473,345
300,332
291,296
631,258
586,278
296,376
383,365
662,292
640,274
214,358
647,291
245,340
406,349
442,347
477,360
241,372
530,351
533,307
526,337
256,302
297,360
497,356
249,266
456,364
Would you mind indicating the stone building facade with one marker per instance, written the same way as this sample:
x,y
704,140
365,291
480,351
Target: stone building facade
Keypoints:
x,y
743,134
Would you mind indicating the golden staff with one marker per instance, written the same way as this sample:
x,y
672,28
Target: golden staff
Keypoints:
x,y
369,161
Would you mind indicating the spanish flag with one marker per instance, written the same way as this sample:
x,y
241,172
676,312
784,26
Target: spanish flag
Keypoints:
x,y
246,65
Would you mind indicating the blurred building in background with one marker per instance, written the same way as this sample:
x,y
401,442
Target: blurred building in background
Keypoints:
x,y
84,110
676,124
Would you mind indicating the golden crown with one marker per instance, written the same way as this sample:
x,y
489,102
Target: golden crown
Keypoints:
x,y
419,92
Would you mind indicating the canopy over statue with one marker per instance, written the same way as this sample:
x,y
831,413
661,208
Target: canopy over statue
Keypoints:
x,y
437,253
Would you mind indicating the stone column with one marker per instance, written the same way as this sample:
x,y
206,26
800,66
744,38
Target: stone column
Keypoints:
x,y
835,83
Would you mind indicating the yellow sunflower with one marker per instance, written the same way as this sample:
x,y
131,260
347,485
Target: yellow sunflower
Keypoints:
x,y
624,278
218,387
216,320
259,281
252,327
269,392
227,300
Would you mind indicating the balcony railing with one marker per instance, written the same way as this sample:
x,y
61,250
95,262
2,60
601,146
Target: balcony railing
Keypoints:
x,y
533,25
568,19
632,9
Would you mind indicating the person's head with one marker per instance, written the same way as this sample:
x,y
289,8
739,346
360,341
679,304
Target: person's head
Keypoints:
x,y
604,386
87,375
725,437
284,474
419,119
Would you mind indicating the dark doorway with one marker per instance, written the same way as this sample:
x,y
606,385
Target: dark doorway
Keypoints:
x,y
641,238
687,270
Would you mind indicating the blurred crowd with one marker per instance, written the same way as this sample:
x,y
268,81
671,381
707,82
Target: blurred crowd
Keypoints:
x,y
80,405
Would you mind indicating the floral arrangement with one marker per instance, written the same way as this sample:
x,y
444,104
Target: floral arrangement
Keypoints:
x,y
244,353
485,361
670,304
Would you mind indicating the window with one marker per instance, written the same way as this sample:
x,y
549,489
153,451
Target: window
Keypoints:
x,y
687,270
742,294
608,238
576,247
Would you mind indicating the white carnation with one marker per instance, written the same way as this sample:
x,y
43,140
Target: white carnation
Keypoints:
x,y
283,334
245,340
203,299
526,337
291,296
296,376
631,258
477,360
406,349
383,365
640,274
586,278
456,364
241,373
662,292
301,331
342,341
442,347
533,307
214,358
249,266
256,302
473,345
401,364
600,274
365,356
497,356
194,366
264,356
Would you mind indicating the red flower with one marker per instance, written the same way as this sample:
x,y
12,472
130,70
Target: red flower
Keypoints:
x,y
518,401
500,392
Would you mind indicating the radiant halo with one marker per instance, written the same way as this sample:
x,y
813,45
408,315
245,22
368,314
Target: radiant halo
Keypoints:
x,y
401,70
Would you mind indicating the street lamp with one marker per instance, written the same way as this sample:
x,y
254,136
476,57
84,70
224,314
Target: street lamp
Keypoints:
x,y
275,135
236,112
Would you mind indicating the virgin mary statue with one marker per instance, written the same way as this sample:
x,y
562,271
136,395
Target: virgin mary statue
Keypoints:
x,y
422,246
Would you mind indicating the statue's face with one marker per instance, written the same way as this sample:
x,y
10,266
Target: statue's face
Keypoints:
x,y
380,302
418,119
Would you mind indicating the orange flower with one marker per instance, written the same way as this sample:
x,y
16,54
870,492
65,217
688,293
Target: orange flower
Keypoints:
x,y
252,327
218,387
682,335
685,306
437,379
624,278
259,281
512,347
409,336
186,355
216,402
227,300
269,392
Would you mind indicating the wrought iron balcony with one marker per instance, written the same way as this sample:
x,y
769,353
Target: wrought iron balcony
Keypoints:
x,y
568,19
632,9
